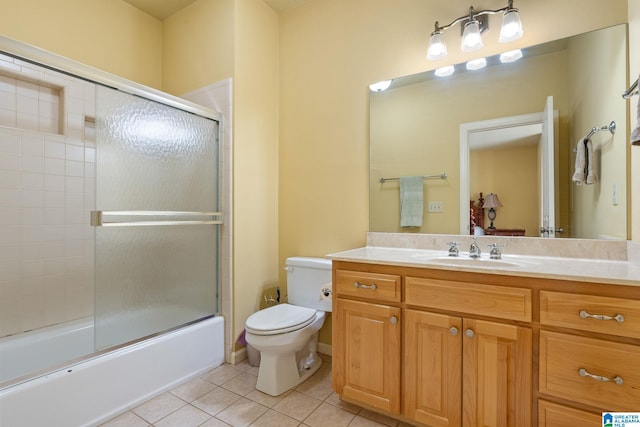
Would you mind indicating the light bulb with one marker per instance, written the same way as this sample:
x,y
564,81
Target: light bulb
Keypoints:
x,y
511,29
476,64
437,46
445,71
380,86
471,37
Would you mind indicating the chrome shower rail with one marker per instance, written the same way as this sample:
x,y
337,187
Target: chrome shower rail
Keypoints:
x,y
142,218
441,176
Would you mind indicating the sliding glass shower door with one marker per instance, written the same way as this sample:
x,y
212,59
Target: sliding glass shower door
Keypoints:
x,y
156,218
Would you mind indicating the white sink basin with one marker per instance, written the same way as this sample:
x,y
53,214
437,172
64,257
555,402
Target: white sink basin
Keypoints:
x,y
473,262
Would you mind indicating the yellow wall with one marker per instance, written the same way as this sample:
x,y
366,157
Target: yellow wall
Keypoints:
x,y
511,172
255,177
634,160
596,102
198,46
106,34
330,51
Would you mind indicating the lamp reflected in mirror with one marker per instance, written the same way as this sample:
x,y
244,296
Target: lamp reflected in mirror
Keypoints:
x,y
492,202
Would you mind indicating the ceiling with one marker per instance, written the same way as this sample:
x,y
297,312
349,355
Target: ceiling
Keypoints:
x,y
161,9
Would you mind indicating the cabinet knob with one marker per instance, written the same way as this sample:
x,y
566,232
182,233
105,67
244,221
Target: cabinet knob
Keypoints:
x,y
453,331
469,333
393,320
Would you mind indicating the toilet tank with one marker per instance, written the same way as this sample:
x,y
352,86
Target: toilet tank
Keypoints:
x,y
306,277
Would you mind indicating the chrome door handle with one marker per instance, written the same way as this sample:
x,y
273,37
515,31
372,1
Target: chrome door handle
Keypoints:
x,y
372,286
453,331
393,320
469,333
586,315
584,373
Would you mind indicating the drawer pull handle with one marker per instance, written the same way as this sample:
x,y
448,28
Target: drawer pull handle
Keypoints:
x,y
372,286
453,331
584,373
393,320
469,333
618,317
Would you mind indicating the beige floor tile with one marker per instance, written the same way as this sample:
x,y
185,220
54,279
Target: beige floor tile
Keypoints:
x,y
242,384
159,407
266,399
297,405
318,385
221,374
329,416
214,422
334,400
193,389
253,370
187,416
382,419
216,400
242,413
359,421
273,418
128,419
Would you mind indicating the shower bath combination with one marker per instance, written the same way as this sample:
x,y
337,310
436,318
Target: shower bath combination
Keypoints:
x,y
110,216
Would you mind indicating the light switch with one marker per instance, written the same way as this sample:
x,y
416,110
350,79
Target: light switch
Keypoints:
x,y
434,207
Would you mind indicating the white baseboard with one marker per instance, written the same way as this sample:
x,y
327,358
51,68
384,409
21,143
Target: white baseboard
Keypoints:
x,y
324,348
238,356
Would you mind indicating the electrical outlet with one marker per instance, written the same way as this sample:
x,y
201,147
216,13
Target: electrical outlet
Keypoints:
x,y
434,207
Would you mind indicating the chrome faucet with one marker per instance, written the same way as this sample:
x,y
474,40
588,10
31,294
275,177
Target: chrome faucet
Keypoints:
x,y
474,249
495,251
453,248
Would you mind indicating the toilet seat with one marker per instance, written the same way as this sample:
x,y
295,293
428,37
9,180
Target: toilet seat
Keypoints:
x,y
279,319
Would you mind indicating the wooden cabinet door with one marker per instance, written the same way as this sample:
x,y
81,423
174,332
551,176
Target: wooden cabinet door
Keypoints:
x,y
367,353
432,368
496,370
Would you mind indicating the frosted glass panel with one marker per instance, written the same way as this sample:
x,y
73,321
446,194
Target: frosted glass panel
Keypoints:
x,y
151,157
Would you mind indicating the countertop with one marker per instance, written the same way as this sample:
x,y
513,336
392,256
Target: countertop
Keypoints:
x,y
586,270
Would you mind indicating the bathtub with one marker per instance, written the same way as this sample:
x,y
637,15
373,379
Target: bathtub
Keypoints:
x,y
92,391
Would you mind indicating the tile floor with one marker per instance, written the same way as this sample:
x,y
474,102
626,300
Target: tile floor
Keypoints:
x,y
226,396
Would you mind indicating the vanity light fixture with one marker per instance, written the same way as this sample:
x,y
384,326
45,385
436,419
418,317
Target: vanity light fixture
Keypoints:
x,y
380,86
445,71
476,64
511,56
473,25
492,202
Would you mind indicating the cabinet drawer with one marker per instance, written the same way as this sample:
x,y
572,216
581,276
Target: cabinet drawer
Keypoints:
x,y
615,316
488,300
381,287
554,415
566,361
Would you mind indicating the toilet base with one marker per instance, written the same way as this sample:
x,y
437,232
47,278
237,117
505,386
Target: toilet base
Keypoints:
x,y
280,372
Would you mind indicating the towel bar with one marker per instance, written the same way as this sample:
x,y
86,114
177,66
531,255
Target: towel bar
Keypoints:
x,y
441,176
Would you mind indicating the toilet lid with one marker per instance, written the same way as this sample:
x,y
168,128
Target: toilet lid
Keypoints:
x,y
279,319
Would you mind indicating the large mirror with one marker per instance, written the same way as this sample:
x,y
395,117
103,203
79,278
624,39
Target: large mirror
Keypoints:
x,y
467,127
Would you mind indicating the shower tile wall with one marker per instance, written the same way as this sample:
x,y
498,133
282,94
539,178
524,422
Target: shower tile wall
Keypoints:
x,y
47,180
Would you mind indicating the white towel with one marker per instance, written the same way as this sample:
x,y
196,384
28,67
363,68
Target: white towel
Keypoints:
x,y
584,171
411,201
579,173
592,178
635,135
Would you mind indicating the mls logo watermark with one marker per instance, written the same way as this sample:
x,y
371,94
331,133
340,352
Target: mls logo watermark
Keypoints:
x,y
621,419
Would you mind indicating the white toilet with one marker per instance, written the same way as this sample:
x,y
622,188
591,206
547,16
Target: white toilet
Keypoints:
x,y
287,334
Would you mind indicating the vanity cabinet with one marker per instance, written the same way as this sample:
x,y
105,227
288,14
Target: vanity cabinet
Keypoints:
x,y
463,371
367,351
601,370
450,348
